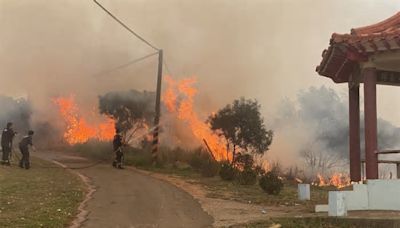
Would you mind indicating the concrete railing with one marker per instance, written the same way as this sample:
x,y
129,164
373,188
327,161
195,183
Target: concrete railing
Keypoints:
x,y
383,161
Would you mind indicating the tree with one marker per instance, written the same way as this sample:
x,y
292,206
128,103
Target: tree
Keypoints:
x,y
132,110
319,160
242,126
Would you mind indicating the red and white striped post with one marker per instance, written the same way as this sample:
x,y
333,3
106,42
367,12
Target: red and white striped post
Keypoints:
x,y
154,151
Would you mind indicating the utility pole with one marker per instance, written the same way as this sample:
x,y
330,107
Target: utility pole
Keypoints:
x,y
154,151
159,80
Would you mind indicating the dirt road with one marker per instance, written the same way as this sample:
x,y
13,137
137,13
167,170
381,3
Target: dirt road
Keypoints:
x,y
126,198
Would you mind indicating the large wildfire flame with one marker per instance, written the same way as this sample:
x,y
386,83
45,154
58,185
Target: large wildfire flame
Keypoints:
x,y
183,108
78,130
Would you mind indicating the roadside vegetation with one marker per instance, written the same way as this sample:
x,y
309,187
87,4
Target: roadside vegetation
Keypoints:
x,y
195,166
38,197
242,176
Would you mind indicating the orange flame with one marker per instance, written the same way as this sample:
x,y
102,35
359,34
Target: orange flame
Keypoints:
x,y
338,180
78,130
266,165
185,112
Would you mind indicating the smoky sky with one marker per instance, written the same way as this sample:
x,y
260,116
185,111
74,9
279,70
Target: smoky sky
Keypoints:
x,y
319,117
18,111
263,49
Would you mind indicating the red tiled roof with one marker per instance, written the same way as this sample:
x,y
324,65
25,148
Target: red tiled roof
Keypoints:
x,y
347,50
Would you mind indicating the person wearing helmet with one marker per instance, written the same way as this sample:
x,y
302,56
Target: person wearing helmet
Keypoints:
x,y
24,148
7,137
117,147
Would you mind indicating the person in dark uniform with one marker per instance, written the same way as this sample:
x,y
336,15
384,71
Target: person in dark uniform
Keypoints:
x,y
117,147
7,137
24,148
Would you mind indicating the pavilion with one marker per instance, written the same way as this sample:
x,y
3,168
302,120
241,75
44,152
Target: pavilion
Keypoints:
x,y
369,55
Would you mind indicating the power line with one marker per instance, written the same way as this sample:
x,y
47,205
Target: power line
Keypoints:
x,y
124,65
167,68
126,27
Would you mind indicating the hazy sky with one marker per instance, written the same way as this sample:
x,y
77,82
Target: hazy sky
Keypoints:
x,y
264,49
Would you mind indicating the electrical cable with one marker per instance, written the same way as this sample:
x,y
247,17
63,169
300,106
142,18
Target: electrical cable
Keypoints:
x,y
166,67
124,65
126,27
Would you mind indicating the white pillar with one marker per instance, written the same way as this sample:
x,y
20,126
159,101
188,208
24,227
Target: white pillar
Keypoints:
x,y
337,203
303,191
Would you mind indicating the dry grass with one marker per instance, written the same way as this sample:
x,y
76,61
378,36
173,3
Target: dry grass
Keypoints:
x,y
39,197
231,190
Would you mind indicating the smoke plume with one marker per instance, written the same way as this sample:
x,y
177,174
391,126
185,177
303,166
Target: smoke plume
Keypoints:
x,y
18,111
318,121
259,49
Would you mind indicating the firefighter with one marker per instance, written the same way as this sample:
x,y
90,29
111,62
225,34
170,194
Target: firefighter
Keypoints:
x,y
117,147
7,137
24,148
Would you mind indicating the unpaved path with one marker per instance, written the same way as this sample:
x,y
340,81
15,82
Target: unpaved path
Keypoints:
x,y
127,198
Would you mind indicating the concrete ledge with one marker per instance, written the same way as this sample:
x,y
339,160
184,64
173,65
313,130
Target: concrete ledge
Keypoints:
x,y
321,208
383,194
358,198
374,195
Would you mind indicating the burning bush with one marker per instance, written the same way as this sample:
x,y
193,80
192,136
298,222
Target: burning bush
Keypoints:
x,y
179,101
77,127
271,183
244,161
247,174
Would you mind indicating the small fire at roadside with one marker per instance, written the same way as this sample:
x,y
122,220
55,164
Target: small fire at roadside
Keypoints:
x,y
77,128
339,180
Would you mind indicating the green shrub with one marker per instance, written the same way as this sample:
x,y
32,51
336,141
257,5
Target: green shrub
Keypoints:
x,y
210,168
247,177
271,183
198,159
227,171
138,157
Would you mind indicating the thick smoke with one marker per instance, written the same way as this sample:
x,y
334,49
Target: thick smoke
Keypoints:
x,y
17,111
235,48
51,48
317,121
